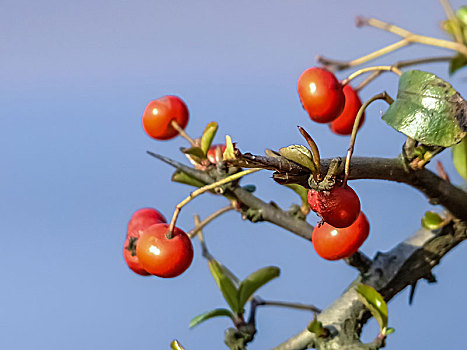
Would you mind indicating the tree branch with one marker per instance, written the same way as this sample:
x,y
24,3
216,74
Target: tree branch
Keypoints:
x,y
390,273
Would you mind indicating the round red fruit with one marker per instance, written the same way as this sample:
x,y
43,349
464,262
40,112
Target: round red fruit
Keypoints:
x,y
337,243
158,115
339,207
321,94
144,218
129,254
343,125
162,256
212,152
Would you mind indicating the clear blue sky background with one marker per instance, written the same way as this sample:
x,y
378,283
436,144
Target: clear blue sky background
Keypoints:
x,y
75,78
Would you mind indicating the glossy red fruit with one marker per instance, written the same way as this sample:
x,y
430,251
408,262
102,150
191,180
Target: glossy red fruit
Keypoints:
x,y
140,220
162,256
337,243
344,123
339,207
129,254
321,94
212,152
144,218
159,113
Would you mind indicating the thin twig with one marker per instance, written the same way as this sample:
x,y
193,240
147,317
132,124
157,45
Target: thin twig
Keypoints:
x,y
371,69
290,305
202,190
210,218
182,132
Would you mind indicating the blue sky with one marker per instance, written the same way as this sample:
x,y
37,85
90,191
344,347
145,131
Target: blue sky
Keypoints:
x,y
75,79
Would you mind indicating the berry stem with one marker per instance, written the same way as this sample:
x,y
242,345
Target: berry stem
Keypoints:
x,y
382,96
370,69
402,64
183,133
202,224
408,38
451,16
200,191
314,151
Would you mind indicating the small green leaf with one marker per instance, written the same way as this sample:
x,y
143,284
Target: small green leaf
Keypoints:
x,y
316,327
253,282
428,109
226,285
194,151
300,190
462,14
175,345
183,178
389,330
210,314
229,153
249,188
459,157
457,62
432,221
375,303
299,154
208,135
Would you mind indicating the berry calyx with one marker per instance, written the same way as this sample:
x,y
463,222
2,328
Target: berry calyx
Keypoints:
x,y
339,207
321,94
213,151
333,243
343,125
140,220
162,256
160,113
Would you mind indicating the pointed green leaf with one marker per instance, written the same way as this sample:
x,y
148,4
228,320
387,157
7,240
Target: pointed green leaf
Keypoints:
x,y
459,157
226,285
229,153
194,151
184,178
208,135
389,330
316,327
462,14
432,221
299,154
175,345
256,280
457,62
428,109
375,303
210,314
300,190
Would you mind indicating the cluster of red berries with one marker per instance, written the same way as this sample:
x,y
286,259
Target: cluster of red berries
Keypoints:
x,y
148,250
345,227
327,101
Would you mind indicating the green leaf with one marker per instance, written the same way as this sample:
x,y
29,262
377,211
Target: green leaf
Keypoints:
x,y
208,135
253,282
175,345
457,62
229,153
226,285
462,14
249,188
375,303
300,190
389,330
428,109
459,157
432,221
183,178
210,314
194,151
299,154
316,327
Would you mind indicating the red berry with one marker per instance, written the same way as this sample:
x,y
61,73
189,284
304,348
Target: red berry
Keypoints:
x,y
158,115
140,220
321,94
162,256
344,123
337,243
212,153
339,207
129,254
